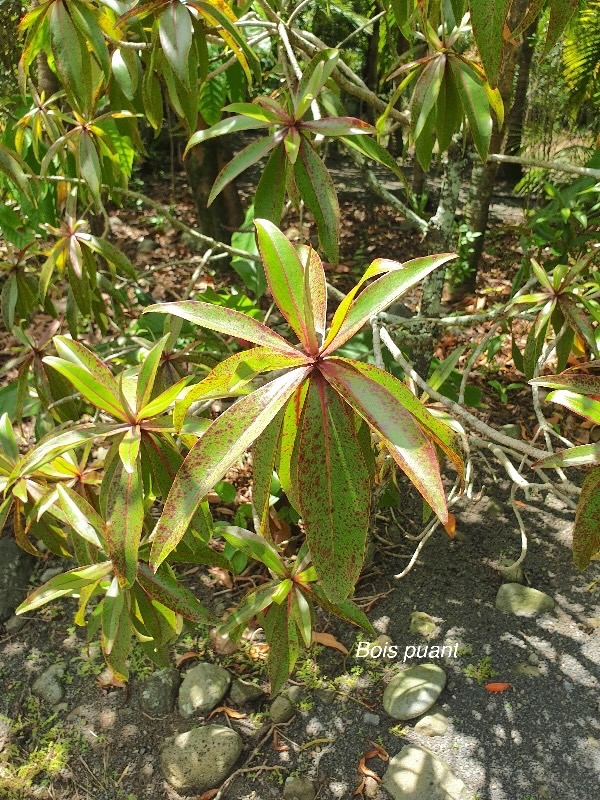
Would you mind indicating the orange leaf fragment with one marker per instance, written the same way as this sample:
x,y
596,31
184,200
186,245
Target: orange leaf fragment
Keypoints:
x,y
497,687
231,713
209,795
381,752
365,771
329,641
450,526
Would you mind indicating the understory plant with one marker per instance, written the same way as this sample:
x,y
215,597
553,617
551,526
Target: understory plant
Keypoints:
x,y
320,421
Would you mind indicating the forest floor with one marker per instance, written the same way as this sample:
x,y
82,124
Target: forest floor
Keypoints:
x,y
538,740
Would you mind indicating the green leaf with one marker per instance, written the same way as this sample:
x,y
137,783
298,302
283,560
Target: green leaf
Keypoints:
x,y
175,33
580,456
338,126
315,289
346,610
586,533
244,159
124,522
289,436
373,150
406,441
164,588
264,455
318,192
579,404
129,448
224,320
163,400
225,126
71,56
426,92
281,635
16,170
117,616
313,80
64,584
80,515
89,166
574,380
230,435
380,294
254,546
9,450
488,18
213,96
333,490
231,376
147,376
270,191
285,277
252,604
561,12
126,70
109,253
88,386
302,614
57,442
112,611
475,104
580,321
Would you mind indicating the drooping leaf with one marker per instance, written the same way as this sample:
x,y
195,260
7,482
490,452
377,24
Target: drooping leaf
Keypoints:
x,y
164,587
124,522
244,159
574,380
561,12
318,192
228,437
254,546
281,634
346,610
580,404
339,126
410,447
475,104
333,490
586,533
264,455
175,33
84,520
270,191
488,18
580,456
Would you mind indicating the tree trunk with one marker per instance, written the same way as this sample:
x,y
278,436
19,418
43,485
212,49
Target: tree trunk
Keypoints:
x,y
439,239
483,177
371,72
202,165
518,112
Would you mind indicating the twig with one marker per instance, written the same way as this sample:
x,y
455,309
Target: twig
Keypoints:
x,y
556,166
361,29
377,343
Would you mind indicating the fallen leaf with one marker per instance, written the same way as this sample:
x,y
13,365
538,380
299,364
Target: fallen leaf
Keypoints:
x,y
222,575
360,790
223,645
365,771
186,657
329,641
381,752
258,652
497,687
106,678
209,795
230,712
277,746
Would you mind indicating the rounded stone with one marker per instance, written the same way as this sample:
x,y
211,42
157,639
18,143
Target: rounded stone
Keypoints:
x,y
417,773
200,758
296,788
244,692
522,601
282,709
159,692
48,687
412,692
435,723
203,688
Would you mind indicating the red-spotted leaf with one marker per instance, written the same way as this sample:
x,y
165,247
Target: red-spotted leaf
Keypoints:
x,y
270,191
264,455
338,126
244,159
357,377
574,380
145,383
228,437
475,103
586,534
315,289
71,56
302,614
488,18
225,320
580,404
346,610
426,91
285,277
333,490
230,377
89,165
88,386
318,192
57,443
382,293
289,433
282,636
580,321
124,522
164,588
405,439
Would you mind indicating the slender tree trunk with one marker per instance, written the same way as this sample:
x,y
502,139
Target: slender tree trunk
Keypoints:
x,y
518,112
202,165
439,239
371,72
483,177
